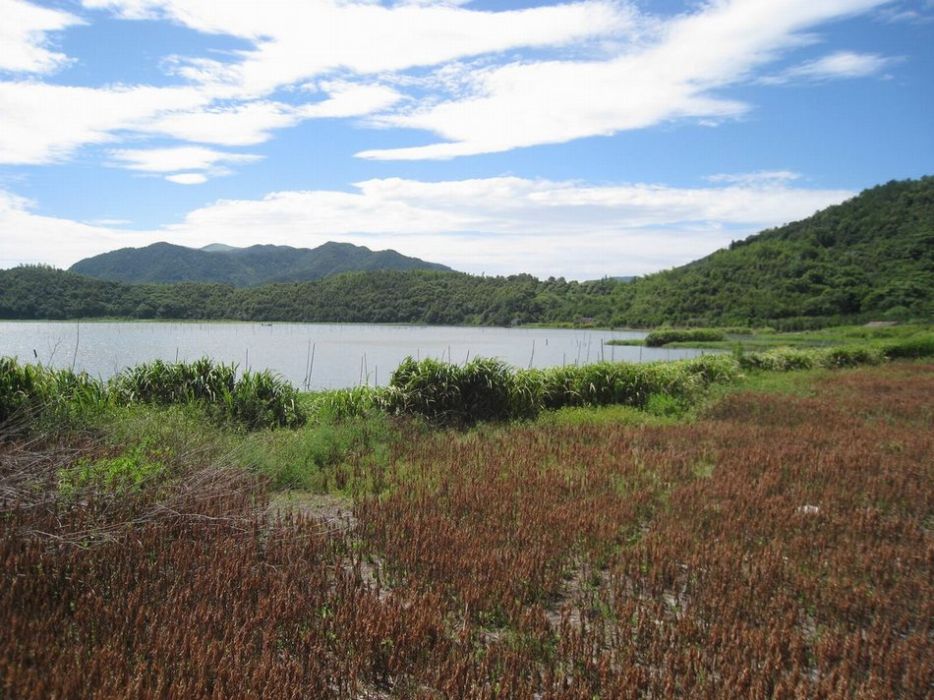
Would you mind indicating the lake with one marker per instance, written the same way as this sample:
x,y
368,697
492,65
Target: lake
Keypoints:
x,y
339,355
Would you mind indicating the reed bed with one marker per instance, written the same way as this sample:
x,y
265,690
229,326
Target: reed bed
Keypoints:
x,y
37,398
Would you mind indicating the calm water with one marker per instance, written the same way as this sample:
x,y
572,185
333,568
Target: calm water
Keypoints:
x,y
343,354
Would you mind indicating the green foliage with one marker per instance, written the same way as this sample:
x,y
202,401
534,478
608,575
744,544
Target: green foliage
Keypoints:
x,y
871,257
657,339
34,396
123,474
790,359
175,382
319,456
30,393
240,267
482,390
487,390
917,347
343,404
262,400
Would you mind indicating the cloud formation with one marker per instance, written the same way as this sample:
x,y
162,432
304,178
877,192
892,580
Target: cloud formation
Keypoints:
x,y
834,66
481,81
674,74
24,40
494,225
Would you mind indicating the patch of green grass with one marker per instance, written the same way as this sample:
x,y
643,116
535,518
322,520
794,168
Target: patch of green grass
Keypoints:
x,y
602,415
327,456
123,474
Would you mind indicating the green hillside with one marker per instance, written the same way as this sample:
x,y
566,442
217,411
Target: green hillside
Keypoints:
x,y
869,258
873,254
241,267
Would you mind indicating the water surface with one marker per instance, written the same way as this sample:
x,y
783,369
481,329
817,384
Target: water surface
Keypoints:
x,y
338,355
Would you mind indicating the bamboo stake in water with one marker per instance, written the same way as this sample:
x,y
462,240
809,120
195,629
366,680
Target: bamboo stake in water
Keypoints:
x,y
74,357
532,356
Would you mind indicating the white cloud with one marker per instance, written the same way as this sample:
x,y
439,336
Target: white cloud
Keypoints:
x,y
349,100
672,76
834,66
759,177
187,178
298,40
45,123
32,238
164,160
493,225
23,37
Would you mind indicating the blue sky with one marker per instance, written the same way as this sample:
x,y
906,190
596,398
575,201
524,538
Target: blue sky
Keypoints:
x,y
577,139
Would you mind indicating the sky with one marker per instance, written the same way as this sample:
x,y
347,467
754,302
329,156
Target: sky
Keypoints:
x,y
579,139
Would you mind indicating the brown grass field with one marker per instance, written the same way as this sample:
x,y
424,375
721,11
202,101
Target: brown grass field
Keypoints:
x,y
780,547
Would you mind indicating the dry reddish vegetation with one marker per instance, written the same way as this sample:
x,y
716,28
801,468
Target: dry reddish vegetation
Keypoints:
x,y
783,548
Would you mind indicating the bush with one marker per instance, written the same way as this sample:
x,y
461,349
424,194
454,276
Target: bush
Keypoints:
x,y
31,393
344,404
790,359
851,356
488,390
921,346
482,390
657,339
255,400
168,383
262,400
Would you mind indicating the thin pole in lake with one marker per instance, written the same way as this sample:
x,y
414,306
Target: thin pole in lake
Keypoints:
x,y
74,357
532,356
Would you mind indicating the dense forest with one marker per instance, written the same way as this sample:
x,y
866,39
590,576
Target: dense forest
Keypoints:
x,y
870,257
242,267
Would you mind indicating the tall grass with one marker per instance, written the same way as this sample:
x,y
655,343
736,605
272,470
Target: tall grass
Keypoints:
x,y
31,393
658,338
36,397
488,390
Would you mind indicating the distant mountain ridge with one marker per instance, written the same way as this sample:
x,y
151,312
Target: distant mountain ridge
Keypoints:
x,y
867,259
166,263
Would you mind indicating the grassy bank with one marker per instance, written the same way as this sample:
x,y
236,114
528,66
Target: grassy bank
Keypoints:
x,y
645,530
597,551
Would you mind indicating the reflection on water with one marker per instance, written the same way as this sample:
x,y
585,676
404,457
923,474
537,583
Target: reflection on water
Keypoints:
x,y
316,355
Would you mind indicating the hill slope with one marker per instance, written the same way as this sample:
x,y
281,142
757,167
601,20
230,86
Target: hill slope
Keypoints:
x,y
241,267
873,254
870,257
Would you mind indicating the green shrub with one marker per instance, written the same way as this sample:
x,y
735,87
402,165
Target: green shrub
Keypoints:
x,y
261,400
782,359
854,356
344,404
658,338
31,394
482,390
168,383
255,400
920,346
126,473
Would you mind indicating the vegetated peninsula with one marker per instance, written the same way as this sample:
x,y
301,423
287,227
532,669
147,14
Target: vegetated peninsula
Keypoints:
x,y
242,267
870,257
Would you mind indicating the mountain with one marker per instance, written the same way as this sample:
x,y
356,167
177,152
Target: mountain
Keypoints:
x,y
241,267
869,258
873,254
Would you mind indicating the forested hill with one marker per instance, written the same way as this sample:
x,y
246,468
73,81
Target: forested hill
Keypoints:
x,y
417,296
873,254
242,267
869,258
